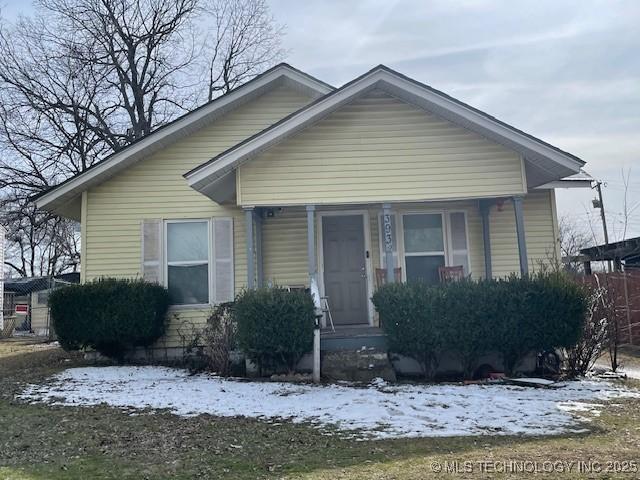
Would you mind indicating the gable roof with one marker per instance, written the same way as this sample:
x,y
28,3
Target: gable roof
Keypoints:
x,y
545,162
68,191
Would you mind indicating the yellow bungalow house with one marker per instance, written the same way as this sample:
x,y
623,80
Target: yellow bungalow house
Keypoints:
x,y
287,180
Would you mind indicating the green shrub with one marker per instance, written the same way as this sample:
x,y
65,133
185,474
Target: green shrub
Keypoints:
x,y
538,313
411,315
468,311
109,315
513,317
275,326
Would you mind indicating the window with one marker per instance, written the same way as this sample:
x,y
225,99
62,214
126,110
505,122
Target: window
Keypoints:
x,y
425,241
192,258
43,297
188,263
424,248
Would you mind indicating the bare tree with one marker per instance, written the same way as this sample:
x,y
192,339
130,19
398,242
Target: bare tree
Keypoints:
x,y
84,78
573,238
40,244
629,210
244,38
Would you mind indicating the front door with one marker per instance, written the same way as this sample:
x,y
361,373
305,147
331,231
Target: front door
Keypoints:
x,y
345,279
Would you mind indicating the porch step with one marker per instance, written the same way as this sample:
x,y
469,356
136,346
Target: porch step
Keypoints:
x,y
362,365
353,338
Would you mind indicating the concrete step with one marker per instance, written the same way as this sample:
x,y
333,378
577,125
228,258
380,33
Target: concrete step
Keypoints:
x,y
353,339
361,365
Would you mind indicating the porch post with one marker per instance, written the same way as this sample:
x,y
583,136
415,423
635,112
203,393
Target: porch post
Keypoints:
x,y
522,244
387,228
259,263
251,277
311,245
314,288
485,209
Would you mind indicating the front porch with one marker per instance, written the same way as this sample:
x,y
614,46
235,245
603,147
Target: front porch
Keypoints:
x,y
345,252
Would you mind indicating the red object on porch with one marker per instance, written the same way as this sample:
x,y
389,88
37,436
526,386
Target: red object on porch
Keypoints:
x,y
451,274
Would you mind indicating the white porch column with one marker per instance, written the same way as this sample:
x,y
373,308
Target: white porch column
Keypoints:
x,y
522,243
311,245
314,288
387,228
485,209
251,276
259,261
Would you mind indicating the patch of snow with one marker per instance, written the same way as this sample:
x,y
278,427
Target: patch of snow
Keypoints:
x,y
380,410
543,382
630,372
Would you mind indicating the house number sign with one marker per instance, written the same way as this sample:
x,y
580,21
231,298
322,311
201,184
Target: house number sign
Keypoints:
x,y
388,236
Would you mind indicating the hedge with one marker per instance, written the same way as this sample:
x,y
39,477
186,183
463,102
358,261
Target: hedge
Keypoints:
x,y
275,326
513,317
109,315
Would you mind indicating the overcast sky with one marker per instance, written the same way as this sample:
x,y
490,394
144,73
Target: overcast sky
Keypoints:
x,y
565,71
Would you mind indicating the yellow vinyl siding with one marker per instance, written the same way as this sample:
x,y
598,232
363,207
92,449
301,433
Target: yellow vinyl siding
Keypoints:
x,y
284,247
540,234
376,149
155,188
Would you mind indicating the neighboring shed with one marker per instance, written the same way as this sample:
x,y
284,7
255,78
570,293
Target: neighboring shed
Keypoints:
x,y
34,293
624,253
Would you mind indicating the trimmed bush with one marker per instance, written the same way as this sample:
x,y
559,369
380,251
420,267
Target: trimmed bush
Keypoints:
x,y
110,315
513,317
275,326
468,311
411,316
538,313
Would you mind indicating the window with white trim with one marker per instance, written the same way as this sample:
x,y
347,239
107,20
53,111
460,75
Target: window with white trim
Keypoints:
x,y
193,258
424,246
426,241
188,261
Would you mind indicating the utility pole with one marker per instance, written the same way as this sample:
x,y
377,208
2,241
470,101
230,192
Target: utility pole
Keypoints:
x,y
599,203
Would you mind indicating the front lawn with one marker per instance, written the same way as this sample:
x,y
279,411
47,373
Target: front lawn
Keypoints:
x,y
38,441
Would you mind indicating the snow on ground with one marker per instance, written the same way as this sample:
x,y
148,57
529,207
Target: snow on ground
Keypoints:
x,y
379,410
629,371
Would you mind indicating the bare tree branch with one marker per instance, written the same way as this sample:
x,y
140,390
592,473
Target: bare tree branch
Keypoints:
x,y
83,78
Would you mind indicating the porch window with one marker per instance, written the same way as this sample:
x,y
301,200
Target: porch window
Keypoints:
x,y
425,241
187,254
424,246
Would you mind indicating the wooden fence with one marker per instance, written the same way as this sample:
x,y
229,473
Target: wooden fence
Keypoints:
x,y
625,286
